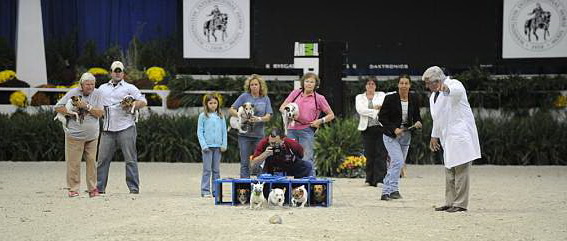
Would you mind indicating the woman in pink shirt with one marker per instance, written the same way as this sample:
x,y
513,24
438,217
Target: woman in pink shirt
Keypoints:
x,y
310,104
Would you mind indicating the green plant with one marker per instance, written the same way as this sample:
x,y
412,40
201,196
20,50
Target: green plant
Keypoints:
x,y
334,142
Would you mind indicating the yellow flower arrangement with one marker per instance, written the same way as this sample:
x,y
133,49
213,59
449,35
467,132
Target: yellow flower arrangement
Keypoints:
x,y
352,166
18,99
7,75
158,87
218,95
560,102
98,71
74,85
156,74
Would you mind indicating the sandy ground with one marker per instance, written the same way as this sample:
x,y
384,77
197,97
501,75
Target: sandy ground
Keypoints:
x,y
507,203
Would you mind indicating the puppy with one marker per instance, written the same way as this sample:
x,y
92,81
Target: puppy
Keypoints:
x,y
319,194
276,197
257,199
291,111
243,195
242,121
72,109
299,196
127,105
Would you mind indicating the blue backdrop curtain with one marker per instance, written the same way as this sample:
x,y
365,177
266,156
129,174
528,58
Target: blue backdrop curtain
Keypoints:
x,y
109,22
8,13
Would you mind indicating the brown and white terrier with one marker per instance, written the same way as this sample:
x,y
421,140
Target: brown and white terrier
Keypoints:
x,y
299,196
242,121
319,194
127,105
72,109
243,195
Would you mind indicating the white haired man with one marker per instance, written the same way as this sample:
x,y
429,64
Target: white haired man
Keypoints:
x,y
81,140
454,132
119,128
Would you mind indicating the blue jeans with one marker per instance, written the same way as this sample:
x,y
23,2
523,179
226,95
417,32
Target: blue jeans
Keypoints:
x,y
398,151
109,141
211,164
246,145
306,138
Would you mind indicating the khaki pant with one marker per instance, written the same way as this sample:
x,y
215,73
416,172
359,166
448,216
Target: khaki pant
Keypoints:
x,y
75,151
457,186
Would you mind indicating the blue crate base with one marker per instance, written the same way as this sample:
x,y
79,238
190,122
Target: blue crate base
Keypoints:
x,y
228,189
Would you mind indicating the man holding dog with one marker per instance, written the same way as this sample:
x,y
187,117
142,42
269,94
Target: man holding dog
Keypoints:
x,y
119,128
278,153
81,139
454,133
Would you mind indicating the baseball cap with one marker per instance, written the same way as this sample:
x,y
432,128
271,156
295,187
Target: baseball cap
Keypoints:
x,y
116,65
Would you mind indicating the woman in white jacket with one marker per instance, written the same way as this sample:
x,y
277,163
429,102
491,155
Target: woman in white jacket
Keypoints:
x,y
368,106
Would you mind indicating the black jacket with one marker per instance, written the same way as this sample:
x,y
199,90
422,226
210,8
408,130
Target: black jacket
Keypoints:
x,y
391,113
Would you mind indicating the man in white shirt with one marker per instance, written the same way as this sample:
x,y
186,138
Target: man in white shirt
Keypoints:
x,y
119,128
454,130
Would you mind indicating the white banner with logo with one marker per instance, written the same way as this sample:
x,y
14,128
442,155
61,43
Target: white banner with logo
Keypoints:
x,y
534,29
216,29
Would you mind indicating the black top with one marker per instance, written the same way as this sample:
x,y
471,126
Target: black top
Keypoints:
x,y
391,113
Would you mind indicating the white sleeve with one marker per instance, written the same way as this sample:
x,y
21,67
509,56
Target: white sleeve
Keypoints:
x,y
363,109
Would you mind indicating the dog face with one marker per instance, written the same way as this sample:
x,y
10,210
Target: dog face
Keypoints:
x,y
257,189
243,195
247,109
291,110
277,197
299,192
319,193
75,100
127,101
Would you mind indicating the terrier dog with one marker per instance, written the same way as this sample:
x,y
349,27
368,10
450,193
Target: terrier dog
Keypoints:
x,y
299,196
127,104
257,198
291,111
276,197
243,195
72,109
319,195
242,121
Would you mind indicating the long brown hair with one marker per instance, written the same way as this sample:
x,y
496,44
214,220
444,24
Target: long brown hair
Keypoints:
x,y
206,99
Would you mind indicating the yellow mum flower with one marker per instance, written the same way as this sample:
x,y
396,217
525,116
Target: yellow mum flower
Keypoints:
x,y
74,85
156,74
161,87
98,71
560,102
7,75
18,99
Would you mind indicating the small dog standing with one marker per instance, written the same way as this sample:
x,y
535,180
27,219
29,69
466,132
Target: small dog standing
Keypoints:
x,y
257,198
319,195
243,195
291,111
127,104
242,121
276,197
72,109
299,196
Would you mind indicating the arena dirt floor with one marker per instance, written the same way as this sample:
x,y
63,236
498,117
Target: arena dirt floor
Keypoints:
x,y
506,203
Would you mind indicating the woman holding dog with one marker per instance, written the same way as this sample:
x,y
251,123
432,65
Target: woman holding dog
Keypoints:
x,y
368,106
310,104
255,93
399,115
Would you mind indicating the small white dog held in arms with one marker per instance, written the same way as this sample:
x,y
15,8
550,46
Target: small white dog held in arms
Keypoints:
x,y
72,109
299,196
127,104
291,111
276,197
242,121
257,198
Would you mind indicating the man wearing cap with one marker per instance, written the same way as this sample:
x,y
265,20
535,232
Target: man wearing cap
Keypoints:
x,y
81,139
119,128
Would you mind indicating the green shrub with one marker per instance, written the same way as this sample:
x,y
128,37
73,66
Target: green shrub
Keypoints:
x,y
334,142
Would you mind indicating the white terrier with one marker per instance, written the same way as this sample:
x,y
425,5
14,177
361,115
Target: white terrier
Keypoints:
x,y
291,111
257,198
72,109
276,197
242,121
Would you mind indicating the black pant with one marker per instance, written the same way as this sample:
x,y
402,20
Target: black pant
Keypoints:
x,y
375,153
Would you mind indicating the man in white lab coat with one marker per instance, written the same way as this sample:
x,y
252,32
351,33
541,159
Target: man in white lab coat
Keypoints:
x,y
454,132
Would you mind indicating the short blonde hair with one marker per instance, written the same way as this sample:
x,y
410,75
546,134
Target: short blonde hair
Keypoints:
x,y
263,85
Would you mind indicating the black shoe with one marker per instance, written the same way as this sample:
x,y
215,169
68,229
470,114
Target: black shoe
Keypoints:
x,y
385,197
395,195
443,208
373,184
134,192
456,209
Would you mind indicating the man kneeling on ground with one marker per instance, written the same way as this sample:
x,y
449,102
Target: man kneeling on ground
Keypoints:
x,y
277,153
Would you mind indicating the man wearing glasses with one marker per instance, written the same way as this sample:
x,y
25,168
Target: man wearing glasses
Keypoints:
x,y
119,127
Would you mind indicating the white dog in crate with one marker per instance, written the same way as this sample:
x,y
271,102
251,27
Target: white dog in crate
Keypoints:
x,y
289,114
276,197
242,121
257,198
299,196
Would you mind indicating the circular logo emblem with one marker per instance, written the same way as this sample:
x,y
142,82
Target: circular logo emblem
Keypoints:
x,y
216,25
538,25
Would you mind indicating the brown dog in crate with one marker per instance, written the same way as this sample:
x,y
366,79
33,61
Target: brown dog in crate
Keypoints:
x,y
319,194
243,195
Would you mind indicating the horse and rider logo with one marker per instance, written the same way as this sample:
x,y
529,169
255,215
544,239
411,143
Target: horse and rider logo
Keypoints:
x,y
216,25
538,25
